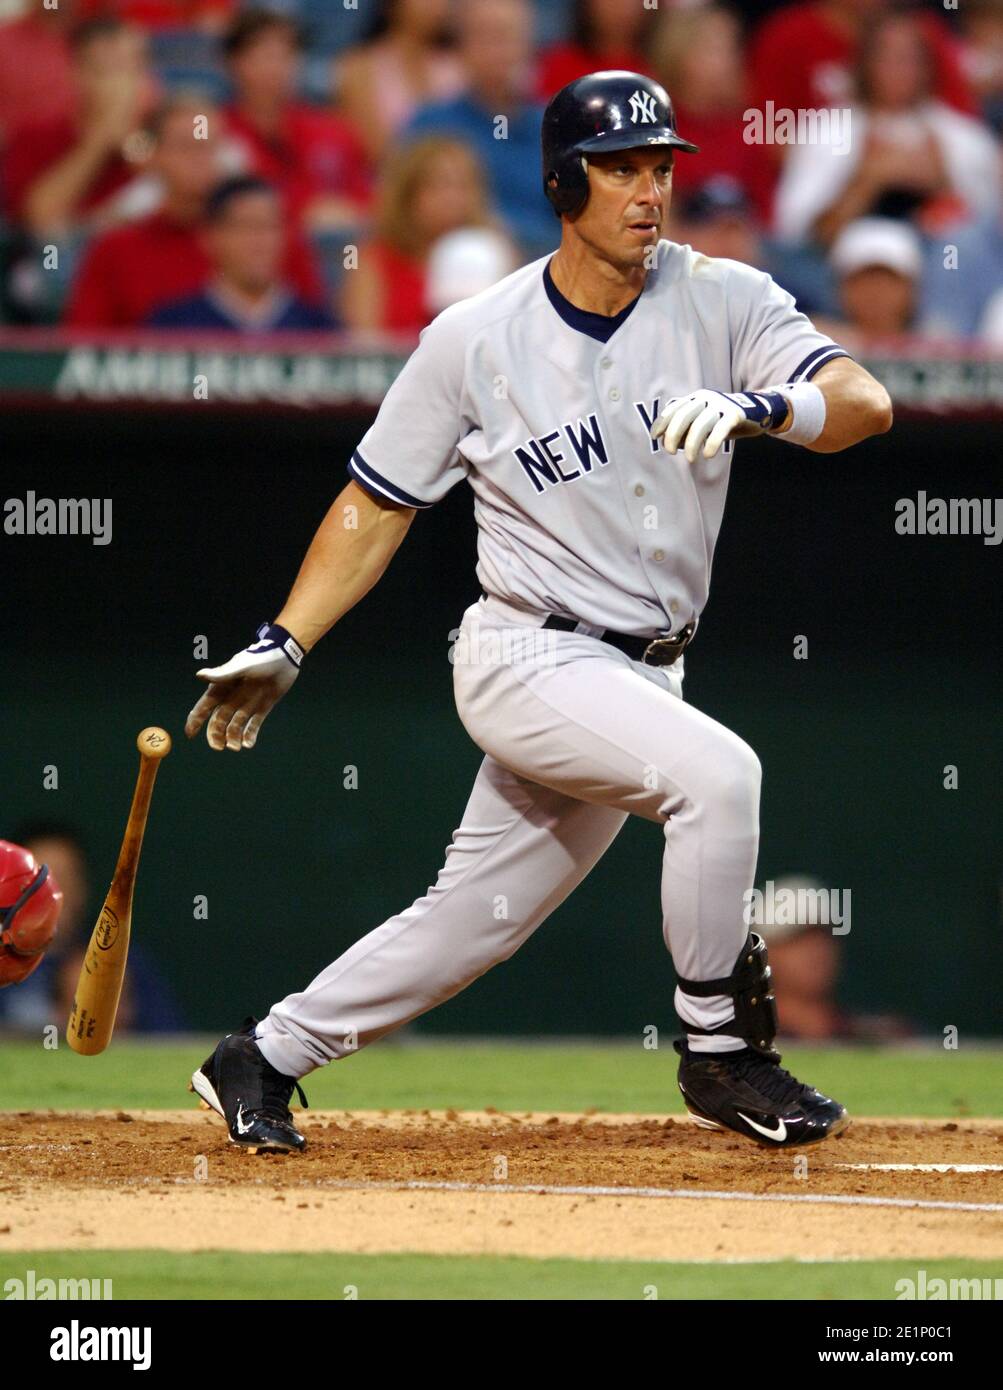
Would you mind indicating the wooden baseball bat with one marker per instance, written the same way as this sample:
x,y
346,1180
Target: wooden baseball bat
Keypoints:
x,y
95,1003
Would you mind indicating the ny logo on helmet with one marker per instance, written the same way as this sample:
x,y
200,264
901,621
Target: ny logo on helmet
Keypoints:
x,y
642,109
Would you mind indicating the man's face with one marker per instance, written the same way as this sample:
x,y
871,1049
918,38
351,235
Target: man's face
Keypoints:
x,y
447,196
67,867
727,235
422,16
805,966
116,54
713,65
246,243
187,166
615,16
628,203
897,64
496,40
267,68
878,300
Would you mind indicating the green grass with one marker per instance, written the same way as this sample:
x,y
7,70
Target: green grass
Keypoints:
x,y
216,1274
613,1077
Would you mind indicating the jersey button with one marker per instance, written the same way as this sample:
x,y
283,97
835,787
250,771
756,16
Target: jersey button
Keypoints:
x,y
606,362
658,556
674,606
639,490
614,395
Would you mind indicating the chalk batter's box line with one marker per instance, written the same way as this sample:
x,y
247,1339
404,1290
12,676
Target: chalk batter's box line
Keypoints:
x,y
682,1193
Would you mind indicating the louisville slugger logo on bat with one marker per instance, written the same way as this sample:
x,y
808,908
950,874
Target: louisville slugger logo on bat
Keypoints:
x,y
106,931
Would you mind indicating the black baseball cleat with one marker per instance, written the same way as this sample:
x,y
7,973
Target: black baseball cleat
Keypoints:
x,y
253,1098
751,1094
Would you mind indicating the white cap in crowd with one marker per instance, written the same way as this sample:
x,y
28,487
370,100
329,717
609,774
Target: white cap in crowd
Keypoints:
x,y
877,241
465,262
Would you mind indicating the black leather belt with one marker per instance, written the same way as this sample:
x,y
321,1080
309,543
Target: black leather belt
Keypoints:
x,y
653,651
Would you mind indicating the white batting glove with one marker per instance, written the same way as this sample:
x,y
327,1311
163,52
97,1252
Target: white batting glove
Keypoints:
x,y
701,422
244,689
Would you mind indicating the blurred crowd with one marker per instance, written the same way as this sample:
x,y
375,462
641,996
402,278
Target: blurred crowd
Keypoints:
x,y
314,164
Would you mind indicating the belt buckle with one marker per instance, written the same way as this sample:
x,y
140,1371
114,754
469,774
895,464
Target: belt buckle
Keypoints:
x,y
672,647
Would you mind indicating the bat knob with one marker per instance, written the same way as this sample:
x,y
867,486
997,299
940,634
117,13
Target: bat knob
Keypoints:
x,y
154,743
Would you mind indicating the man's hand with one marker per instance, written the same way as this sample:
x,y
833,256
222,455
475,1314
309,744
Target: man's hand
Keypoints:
x,y
353,546
701,422
890,164
243,691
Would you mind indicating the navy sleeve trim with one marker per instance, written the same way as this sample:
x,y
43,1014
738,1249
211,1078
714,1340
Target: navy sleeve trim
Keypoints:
x,y
815,360
367,475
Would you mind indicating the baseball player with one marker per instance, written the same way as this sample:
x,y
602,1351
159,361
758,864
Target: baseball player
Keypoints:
x,y
591,400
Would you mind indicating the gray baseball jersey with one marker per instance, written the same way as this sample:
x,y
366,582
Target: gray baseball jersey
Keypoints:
x,y
546,411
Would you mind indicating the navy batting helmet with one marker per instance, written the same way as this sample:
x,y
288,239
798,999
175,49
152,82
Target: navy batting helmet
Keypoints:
x,y
615,110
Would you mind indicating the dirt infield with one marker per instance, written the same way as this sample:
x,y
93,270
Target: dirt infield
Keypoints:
x,y
588,1186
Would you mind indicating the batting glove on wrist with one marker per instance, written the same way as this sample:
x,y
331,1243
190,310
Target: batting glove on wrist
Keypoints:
x,y
701,422
243,691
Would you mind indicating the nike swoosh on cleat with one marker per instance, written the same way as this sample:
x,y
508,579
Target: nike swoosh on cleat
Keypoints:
x,y
778,1135
239,1121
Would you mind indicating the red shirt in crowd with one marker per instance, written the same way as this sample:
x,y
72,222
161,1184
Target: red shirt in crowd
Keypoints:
x,y
36,74
41,145
158,14
562,63
800,59
316,153
403,279
130,271
722,151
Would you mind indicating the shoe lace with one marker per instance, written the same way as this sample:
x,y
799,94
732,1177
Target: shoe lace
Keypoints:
x,y
276,1094
770,1078
277,1089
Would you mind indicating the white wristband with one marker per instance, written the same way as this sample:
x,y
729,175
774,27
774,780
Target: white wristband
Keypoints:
x,y
807,412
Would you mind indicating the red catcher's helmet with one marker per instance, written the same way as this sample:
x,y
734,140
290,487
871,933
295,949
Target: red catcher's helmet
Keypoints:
x,y
30,903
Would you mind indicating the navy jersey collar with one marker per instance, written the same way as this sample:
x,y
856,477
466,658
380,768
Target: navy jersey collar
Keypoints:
x,y
598,326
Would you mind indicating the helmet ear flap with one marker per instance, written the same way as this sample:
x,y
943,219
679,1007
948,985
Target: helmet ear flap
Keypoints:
x,y
583,195
567,186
